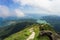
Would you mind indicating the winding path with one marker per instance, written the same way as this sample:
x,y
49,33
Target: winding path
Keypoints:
x,y
31,37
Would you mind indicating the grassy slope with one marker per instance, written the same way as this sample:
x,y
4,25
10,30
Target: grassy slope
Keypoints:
x,y
22,35
46,27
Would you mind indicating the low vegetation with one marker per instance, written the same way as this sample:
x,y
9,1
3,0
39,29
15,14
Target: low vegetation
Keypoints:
x,y
24,34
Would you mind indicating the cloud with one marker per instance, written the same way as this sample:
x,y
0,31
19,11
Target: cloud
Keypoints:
x,y
19,13
4,11
55,6
36,3
47,5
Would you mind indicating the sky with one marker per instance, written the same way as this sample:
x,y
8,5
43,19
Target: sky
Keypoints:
x,y
20,8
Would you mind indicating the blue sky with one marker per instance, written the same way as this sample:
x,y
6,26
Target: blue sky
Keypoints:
x,y
19,8
9,3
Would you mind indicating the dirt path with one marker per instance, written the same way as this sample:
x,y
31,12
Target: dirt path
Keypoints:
x,y
31,37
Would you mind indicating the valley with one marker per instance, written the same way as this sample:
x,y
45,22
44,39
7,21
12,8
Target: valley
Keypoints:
x,y
25,31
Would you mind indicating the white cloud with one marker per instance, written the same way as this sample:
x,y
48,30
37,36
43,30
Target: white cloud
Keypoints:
x,y
48,5
36,3
19,13
55,6
4,11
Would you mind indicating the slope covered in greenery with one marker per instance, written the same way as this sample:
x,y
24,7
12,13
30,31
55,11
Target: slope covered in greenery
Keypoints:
x,y
13,28
54,21
25,33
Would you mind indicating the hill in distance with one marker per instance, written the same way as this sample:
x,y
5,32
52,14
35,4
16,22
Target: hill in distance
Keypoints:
x,y
54,21
30,29
24,31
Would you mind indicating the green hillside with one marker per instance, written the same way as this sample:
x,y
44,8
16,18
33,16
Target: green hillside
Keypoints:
x,y
25,33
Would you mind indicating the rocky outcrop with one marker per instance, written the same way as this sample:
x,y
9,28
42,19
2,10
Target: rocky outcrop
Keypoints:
x,y
51,35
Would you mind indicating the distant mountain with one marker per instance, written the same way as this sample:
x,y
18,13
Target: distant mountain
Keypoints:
x,y
20,29
13,28
53,20
1,19
8,20
25,32
35,15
